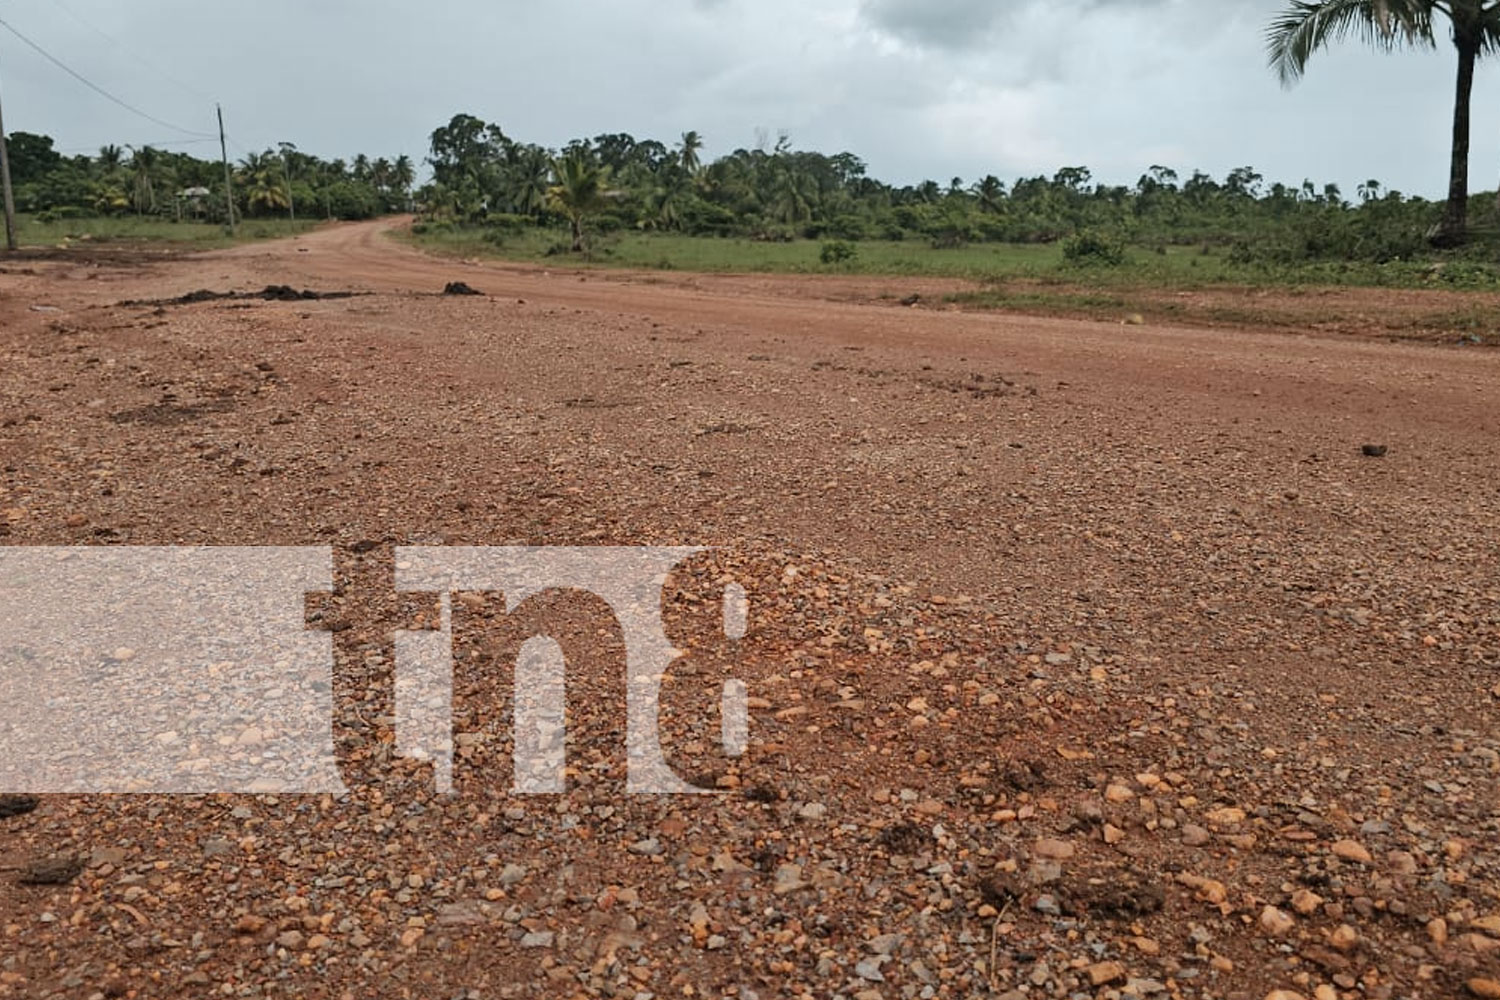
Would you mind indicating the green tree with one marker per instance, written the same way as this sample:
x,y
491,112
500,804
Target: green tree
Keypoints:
x,y
264,183
580,189
692,145
403,176
1306,26
145,164
990,193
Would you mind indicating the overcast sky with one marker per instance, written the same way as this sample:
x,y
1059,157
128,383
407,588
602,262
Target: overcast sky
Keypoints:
x,y
918,88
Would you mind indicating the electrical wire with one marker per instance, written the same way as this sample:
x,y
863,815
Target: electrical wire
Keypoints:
x,y
160,144
153,67
96,88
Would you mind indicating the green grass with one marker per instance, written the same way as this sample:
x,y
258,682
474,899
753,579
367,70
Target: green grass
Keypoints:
x,y
671,252
1169,268
129,229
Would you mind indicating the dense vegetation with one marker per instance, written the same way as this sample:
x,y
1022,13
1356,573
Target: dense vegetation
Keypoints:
x,y
488,188
485,180
149,182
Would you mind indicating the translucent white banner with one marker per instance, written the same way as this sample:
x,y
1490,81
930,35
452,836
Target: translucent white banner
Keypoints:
x,y
174,670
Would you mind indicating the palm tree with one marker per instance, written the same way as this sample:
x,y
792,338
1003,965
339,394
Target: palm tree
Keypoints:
x,y
580,189
692,143
404,175
110,159
1306,26
990,192
263,181
528,181
144,163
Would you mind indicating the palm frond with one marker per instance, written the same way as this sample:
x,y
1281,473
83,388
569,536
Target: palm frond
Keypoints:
x,y
1306,26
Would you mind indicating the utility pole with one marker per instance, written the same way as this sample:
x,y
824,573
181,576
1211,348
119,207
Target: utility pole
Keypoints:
x,y
10,198
228,177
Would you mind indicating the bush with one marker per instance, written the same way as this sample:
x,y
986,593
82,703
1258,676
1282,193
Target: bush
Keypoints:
x,y
838,252
1092,248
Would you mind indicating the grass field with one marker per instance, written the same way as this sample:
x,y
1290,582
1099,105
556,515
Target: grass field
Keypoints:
x,y
1188,285
1171,267
130,229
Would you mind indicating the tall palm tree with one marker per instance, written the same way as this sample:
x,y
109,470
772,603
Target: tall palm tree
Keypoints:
x,y
110,159
528,181
580,188
692,144
144,164
1306,26
990,192
403,175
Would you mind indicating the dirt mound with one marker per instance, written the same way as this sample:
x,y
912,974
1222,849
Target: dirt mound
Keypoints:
x,y
271,293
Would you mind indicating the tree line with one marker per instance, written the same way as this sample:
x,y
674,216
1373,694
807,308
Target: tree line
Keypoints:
x,y
615,182
148,181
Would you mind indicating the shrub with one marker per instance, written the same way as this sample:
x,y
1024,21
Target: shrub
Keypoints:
x,y
1090,247
838,252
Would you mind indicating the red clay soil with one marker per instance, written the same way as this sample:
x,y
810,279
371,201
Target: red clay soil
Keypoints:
x,y
1086,660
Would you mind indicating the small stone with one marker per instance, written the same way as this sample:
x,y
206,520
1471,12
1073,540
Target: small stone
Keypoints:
x,y
1101,973
538,939
788,879
512,874
1353,851
51,871
217,848
290,940
1209,890
1437,931
1487,925
650,847
1488,989
813,811
249,924
17,805
1055,850
1113,834
1228,816
1306,902
1276,923
1344,938
1284,995
1195,836
1118,794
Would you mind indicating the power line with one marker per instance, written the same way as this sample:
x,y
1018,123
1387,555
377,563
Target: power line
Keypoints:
x,y
159,144
153,67
95,87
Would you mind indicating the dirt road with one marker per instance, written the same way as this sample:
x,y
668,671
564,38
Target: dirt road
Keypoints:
x,y
1076,646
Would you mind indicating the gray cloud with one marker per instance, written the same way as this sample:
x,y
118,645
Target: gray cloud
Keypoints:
x,y
918,88
971,24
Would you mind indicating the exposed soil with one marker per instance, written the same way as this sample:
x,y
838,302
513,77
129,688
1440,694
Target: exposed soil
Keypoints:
x,y
1086,659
